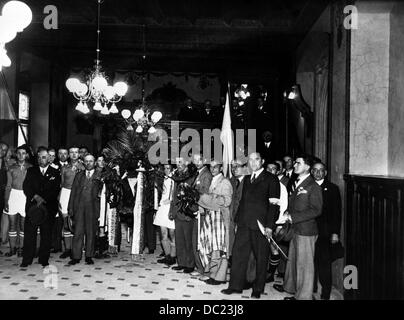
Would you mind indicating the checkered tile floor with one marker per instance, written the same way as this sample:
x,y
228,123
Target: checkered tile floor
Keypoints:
x,y
115,278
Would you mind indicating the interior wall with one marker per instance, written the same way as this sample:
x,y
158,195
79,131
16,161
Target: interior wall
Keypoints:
x,y
396,93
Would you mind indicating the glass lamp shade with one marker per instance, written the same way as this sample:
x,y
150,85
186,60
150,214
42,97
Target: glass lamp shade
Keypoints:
x,y
152,130
4,59
113,109
72,84
19,13
7,30
79,106
125,113
291,95
97,106
105,110
139,113
120,88
85,108
156,116
139,129
109,92
82,89
99,83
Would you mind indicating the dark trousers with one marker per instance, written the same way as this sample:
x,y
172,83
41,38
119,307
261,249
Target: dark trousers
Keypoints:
x,y
195,234
30,236
183,243
85,224
149,231
57,233
248,240
323,265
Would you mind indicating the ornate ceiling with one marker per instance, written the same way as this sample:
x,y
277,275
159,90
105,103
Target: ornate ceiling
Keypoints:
x,y
183,35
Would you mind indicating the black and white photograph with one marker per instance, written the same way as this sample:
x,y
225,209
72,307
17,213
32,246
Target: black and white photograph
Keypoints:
x,y
223,152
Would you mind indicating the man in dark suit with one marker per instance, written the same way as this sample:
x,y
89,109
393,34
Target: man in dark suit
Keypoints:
x,y
237,182
41,187
184,225
84,210
329,225
189,112
305,204
267,147
254,205
289,172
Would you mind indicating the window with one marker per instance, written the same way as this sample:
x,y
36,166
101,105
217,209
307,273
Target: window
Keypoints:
x,y
23,116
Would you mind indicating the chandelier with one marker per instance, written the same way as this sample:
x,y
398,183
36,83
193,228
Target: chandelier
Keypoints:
x,y
96,89
15,17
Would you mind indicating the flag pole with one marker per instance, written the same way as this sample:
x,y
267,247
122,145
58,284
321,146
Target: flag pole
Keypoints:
x,y
12,107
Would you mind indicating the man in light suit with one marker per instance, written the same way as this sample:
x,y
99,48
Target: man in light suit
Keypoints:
x,y
254,205
305,205
214,234
84,210
201,184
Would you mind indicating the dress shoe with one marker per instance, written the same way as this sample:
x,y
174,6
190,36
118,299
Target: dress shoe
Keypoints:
x,y
53,250
24,265
12,252
214,282
177,268
231,291
66,254
45,264
289,298
195,273
171,261
256,294
188,270
74,261
89,261
279,287
164,260
203,278
161,255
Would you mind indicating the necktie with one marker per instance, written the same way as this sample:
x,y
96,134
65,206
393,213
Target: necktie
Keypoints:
x,y
88,174
295,184
237,183
43,171
253,178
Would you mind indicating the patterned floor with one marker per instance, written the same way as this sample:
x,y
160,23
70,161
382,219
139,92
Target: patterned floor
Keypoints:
x,y
116,278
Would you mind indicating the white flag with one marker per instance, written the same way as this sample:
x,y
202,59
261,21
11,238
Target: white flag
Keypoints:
x,y
226,136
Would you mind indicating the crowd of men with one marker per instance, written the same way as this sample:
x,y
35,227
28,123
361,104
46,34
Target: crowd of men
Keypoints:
x,y
230,238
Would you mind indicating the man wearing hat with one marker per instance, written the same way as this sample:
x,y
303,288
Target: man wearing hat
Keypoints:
x,y
15,201
41,187
84,210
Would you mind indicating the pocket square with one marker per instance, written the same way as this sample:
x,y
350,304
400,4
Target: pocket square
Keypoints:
x,y
301,190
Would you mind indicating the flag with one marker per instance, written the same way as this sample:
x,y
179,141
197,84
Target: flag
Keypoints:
x,y
226,136
6,108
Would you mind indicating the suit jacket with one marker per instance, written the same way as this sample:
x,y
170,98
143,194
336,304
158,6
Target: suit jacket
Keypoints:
x,y
203,180
47,187
269,154
237,192
330,220
75,200
218,197
254,204
187,114
305,205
